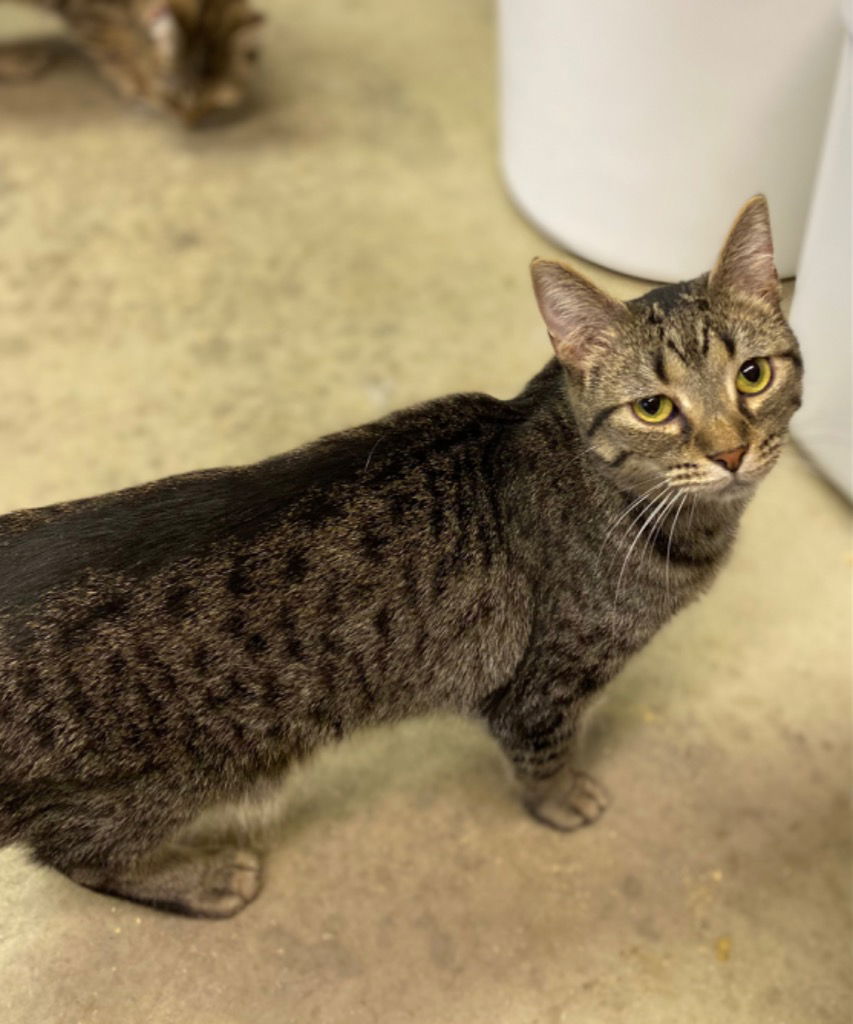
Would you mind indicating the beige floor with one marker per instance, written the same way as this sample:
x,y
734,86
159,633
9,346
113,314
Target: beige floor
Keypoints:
x,y
171,301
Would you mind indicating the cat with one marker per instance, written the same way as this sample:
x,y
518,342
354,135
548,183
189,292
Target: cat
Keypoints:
x,y
173,648
191,58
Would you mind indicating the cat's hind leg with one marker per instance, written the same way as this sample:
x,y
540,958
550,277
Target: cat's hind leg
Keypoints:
x,y
128,840
199,883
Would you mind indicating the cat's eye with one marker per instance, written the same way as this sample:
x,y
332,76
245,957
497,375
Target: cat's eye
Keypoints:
x,y
655,409
754,376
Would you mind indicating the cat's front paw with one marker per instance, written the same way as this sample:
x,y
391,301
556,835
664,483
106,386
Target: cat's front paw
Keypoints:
x,y
569,802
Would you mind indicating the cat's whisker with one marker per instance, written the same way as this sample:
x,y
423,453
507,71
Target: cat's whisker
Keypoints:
x,y
669,542
637,501
370,454
643,517
697,486
646,521
653,534
659,521
624,514
660,506
692,513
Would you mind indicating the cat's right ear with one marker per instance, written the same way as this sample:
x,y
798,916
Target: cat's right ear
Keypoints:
x,y
580,318
746,263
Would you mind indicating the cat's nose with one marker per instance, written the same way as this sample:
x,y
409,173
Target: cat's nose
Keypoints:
x,y
730,459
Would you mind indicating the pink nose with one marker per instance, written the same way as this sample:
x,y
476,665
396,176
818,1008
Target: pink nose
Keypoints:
x,y
730,459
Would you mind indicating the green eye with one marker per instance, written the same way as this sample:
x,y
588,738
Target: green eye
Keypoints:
x,y
754,376
657,409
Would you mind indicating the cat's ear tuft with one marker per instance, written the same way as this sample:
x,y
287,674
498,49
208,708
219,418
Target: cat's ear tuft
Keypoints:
x,y
580,318
164,30
746,261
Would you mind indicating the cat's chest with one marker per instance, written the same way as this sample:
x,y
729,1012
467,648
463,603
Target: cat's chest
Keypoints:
x,y
602,615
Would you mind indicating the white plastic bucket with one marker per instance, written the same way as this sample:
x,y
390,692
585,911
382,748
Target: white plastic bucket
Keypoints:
x,y
632,132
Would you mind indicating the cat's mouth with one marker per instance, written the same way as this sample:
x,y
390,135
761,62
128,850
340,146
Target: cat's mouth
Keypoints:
x,y
727,484
734,487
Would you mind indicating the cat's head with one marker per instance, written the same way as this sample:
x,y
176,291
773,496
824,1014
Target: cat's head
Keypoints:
x,y
689,387
201,55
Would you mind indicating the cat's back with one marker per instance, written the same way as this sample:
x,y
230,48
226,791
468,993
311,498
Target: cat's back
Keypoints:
x,y
136,533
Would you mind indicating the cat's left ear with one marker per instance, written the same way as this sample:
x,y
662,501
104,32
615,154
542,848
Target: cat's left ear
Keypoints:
x,y
582,321
746,262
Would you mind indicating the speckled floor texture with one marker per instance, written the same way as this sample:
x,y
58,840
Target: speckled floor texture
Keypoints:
x,y
170,301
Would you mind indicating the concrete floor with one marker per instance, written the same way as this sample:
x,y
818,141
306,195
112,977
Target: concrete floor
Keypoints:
x,y
171,301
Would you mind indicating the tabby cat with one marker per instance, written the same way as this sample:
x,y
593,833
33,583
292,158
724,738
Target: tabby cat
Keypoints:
x,y
175,647
191,58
